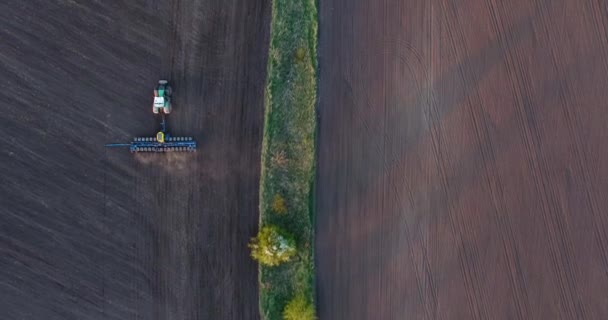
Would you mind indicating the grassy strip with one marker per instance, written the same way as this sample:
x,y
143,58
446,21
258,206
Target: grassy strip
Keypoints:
x,y
288,150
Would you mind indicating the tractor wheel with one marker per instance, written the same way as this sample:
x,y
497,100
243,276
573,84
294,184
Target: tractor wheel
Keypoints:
x,y
168,91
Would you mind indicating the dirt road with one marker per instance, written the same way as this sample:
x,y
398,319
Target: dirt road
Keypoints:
x,y
462,151
90,233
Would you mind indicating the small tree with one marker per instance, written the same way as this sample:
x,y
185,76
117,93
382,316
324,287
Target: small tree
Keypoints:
x,y
299,308
272,246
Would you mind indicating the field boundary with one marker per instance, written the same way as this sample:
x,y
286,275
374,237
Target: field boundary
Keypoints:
x,y
288,151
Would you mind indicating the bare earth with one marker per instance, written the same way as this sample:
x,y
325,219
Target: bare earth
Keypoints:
x,y
92,233
462,160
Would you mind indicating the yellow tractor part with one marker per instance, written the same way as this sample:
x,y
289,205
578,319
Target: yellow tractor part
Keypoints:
x,y
160,137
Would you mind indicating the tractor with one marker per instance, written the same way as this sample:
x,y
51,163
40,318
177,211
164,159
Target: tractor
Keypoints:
x,y
162,141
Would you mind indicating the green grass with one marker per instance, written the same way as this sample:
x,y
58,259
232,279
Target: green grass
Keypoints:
x,y
288,150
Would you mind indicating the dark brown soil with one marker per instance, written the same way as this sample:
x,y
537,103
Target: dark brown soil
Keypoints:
x,y
94,233
462,160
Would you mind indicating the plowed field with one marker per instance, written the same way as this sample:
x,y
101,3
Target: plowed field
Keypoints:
x,y
94,233
462,160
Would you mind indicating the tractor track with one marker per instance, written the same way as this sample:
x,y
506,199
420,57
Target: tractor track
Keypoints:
x,y
94,233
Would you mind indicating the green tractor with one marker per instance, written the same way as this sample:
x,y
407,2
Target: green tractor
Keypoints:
x,y
163,141
162,97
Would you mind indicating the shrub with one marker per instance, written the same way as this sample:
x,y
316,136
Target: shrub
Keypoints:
x,y
300,54
299,308
279,159
272,246
278,204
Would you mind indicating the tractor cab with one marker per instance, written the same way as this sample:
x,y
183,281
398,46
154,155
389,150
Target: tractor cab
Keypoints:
x,y
159,102
162,98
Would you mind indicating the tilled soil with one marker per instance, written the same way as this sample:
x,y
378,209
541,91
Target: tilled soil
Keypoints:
x,y
94,233
462,160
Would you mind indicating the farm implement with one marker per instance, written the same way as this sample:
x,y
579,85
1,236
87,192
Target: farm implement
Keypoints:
x,y
163,141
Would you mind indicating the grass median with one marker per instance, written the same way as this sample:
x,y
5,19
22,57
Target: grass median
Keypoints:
x,y
288,152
